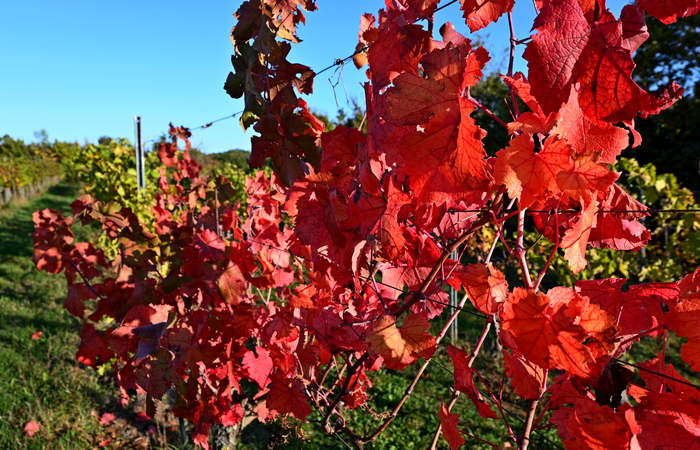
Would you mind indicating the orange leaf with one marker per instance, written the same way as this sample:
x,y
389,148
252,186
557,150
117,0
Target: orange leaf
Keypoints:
x,y
523,172
401,346
575,239
485,285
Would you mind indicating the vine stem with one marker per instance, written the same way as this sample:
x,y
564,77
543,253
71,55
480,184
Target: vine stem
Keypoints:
x,y
525,440
480,342
493,247
329,411
472,357
499,404
520,251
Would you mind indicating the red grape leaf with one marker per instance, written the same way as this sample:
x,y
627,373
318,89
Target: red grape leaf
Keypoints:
x,y
527,378
521,86
587,425
340,148
619,231
633,311
77,294
286,14
674,382
683,318
548,333
93,347
668,11
464,381
287,396
156,374
531,176
578,177
449,422
421,8
666,419
604,70
291,138
394,47
570,48
554,50
634,28
480,13
588,136
530,123
524,173
258,365
232,285
440,143
421,254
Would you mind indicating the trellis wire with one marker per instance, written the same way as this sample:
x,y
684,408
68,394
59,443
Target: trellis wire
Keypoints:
x,y
206,124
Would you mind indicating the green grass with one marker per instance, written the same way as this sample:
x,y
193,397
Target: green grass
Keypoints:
x,y
39,379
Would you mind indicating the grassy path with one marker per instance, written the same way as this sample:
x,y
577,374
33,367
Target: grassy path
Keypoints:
x,y
39,378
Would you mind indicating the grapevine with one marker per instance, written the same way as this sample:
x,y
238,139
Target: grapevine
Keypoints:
x,y
340,263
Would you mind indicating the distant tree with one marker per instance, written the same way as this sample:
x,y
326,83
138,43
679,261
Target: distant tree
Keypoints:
x,y
237,157
353,119
41,136
104,140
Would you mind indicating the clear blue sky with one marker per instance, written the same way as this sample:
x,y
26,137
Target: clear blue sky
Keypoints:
x,y
82,69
